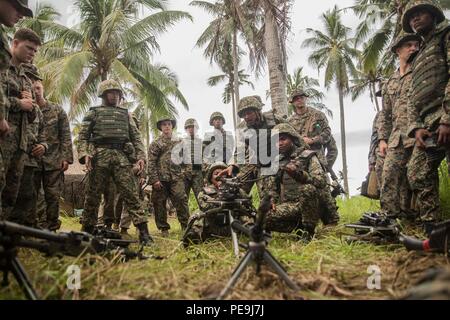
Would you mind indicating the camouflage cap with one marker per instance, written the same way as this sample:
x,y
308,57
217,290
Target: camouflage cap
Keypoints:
x,y
402,38
160,121
214,116
31,71
297,93
22,6
247,103
285,128
191,122
212,168
430,5
108,85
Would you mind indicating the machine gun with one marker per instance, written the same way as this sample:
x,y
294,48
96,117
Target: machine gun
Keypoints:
x,y
14,236
230,205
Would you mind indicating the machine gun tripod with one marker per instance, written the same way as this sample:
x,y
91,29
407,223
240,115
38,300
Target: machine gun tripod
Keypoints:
x,y
256,251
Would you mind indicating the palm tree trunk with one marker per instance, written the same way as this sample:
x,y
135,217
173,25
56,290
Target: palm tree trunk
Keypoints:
x,y
233,103
374,91
275,62
235,76
343,141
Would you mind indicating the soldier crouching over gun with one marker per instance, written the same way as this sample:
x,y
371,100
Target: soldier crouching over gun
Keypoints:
x,y
220,202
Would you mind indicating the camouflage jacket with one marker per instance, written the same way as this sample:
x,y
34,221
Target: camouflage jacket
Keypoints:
x,y
14,83
429,94
37,134
310,172
312,124
5,58
373,150
393,120
332,152
132,150
223,152
58,137
160,164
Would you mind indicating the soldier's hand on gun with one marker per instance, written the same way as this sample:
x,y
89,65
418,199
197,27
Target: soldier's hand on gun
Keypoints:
x,y
443,133
38,151
421,135
88,161
4,128
64,166
383,148
157,185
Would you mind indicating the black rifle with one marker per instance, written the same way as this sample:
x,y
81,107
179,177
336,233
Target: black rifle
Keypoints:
x,y
14,236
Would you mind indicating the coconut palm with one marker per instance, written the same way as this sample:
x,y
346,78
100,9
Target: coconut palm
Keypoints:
x,y
110,42
228,78
333,51
44,19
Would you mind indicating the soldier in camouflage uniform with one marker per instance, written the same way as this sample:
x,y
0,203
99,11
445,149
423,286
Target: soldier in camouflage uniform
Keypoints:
x,y
376,160
10,13
116,146
215,225
166,177
256,126
294,189
21,113
24,211
218,146
193,178
332,153
428,109
312,126
394,143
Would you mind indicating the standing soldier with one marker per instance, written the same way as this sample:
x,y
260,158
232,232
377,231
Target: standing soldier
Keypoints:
x,y
193,165
10,13
394,144
312,126
376,160
256,127
166,177
116,145
24,211
428,108
218,146
294,189
21,112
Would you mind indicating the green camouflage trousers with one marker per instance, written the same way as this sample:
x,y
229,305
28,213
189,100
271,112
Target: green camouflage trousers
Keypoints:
x,y
51,183
15,164
194,182
174,191
328,210
2,181
289,216
24,212
424,180
396,195
122,178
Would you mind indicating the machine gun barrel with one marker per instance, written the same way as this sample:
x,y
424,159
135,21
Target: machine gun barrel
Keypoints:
x,y
17,229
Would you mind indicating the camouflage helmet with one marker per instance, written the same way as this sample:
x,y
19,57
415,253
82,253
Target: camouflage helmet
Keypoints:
x,y
31,71
285,128
213,167
22,5
247,103
214,116
431,5
160,121
402,38
191,122
108,85
297,93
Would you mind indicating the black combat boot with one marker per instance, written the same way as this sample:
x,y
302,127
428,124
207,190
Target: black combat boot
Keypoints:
x,y
144,236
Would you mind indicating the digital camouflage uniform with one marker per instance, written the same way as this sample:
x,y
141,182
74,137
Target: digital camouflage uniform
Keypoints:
x,y
314,125
268,120
332,153
116,144
376,161
396,193
162,168
218,146
428,107
296,201
193,175
15,146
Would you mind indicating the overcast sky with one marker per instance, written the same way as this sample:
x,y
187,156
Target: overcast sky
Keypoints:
x,y
179,53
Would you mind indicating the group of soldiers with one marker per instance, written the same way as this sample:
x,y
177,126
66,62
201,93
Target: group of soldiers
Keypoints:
x,y
412,131
36,145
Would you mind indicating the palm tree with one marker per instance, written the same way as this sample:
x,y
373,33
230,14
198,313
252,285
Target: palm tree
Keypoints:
x,y
44,18
333,50
110,42
298,80
228,78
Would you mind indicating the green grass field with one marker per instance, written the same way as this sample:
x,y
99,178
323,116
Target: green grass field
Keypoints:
x,y
326,268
